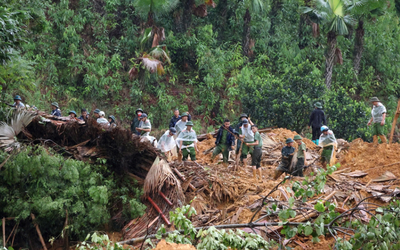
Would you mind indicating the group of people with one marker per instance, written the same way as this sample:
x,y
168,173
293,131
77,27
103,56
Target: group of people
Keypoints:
x,y
182,139
55,111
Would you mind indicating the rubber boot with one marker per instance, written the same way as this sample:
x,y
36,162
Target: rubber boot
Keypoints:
x,y
277,173
375,139
260,173
314,141
383,139
317,142
255,174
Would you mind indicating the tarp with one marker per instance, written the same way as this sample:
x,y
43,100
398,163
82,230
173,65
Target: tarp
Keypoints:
x,y
166,142
189,136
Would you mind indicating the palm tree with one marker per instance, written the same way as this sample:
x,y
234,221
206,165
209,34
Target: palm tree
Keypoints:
x,y
152,7
334,16
362,10
252,6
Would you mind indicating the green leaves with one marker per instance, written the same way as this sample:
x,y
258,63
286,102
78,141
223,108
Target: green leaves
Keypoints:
x,y
319,206
48,185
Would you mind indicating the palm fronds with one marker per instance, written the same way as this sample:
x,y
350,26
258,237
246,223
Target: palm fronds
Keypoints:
x,y
158,52
161,178
20,119
334,15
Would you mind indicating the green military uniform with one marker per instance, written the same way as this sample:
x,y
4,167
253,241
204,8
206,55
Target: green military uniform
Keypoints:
x,y
257,151
222,147
298,170
377,112
188,138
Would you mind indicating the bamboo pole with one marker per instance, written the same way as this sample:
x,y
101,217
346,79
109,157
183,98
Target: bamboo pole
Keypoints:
x,y
396,116
38,231
4,232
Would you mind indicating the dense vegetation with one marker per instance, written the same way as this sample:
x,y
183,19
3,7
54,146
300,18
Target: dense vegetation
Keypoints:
x,y
37,181
273,59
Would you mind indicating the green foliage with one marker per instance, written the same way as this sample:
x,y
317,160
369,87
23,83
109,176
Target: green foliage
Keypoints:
x,y
211,238
333,14
11,32
98,242
48,186
382,231
282,101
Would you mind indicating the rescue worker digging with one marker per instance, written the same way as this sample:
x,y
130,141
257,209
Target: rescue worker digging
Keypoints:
x,y
225,142
187,142
328,143
257,152
377,120
287,156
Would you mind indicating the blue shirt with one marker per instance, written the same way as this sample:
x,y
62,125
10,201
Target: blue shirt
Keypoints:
x,y
175,119
56,112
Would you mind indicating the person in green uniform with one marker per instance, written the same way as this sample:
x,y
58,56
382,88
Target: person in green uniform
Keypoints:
x,y
377,120
247,135
328,143
225,142
301,156
287,156
257,152
187,142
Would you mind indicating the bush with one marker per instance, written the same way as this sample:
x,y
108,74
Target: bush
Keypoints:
x,y
46,185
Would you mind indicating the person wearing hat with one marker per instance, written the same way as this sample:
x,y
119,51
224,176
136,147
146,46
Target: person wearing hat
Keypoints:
x,y
328,143
225,142
287,156
55,110
181,124
301,156
144,125
317,119
84,115
136,121
167,141
377,120
257,152
237,129
247,135
187,142
18,102
176,117
72,115
102,120
111,120
96,113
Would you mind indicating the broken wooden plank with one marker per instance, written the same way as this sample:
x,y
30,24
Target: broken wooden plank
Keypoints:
x,y
236,217
387,176
356,174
